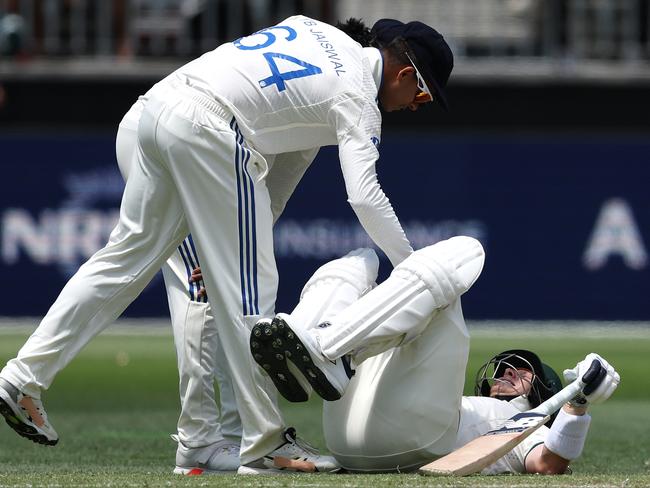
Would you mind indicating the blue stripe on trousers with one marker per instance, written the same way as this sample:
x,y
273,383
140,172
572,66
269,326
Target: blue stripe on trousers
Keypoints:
x,y
247,235
189,271
233,125
247,227
192,258
191,261
254,236
199,284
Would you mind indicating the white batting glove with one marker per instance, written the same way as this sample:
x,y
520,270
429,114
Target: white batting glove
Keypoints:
x,y
600,388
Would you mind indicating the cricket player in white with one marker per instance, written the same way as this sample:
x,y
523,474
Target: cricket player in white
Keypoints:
x,y
201,168
208,435
404,406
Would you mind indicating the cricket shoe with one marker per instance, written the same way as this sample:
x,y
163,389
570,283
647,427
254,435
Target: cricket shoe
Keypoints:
x,y
293,456
26,415
274,344
221,457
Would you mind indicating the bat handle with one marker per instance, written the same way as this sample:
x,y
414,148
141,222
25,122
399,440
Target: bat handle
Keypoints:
x,y
587,384
554,403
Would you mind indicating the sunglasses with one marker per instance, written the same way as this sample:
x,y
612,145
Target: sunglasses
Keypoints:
x,y
424,95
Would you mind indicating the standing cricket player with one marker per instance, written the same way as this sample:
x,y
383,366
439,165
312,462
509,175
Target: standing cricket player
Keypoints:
x,y
207,140
208,435
403,407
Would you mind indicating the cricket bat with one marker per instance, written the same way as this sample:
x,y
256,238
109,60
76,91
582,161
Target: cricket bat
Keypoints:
x,y
479,453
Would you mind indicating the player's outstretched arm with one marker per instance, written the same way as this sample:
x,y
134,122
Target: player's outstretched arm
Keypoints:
x,y
566,437
542,460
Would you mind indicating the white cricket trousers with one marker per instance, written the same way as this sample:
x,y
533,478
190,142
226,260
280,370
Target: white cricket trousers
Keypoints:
x,y
194,174
402,407
199,353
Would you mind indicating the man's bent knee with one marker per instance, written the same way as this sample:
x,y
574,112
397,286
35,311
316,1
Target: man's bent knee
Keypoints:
x,y
448,268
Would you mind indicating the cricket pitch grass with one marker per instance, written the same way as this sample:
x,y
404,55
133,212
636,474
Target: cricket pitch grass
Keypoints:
x,y
115,405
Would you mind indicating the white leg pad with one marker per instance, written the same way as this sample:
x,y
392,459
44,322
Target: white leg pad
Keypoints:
x,y
448,268
334,286
359,268
429,279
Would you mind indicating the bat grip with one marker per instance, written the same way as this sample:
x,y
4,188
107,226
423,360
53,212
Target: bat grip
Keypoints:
x,y
554,403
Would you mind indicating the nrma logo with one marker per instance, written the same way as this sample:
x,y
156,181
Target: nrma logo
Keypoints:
x,y
68,235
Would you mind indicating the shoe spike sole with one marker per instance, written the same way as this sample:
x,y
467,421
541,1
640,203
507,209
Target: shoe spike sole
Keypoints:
x,y
274,363
21,428
277,343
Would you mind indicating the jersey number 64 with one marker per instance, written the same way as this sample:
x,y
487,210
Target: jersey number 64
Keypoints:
x,y
277,78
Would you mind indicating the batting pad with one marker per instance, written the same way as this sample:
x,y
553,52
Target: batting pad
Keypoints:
x,y
428,280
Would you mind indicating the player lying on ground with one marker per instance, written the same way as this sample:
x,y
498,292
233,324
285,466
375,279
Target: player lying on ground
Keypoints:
x,y
209,138
408,341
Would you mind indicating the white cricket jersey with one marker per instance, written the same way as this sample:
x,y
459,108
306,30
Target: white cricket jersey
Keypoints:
x,y
401,409
401,440
297,85
479,415
300,85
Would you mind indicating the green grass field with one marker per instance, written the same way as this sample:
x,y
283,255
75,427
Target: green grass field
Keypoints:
x,y
116,404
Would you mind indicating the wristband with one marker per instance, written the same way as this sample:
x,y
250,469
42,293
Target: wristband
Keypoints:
x,y
567,435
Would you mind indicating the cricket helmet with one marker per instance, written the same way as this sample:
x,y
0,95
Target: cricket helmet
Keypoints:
x,y
544,384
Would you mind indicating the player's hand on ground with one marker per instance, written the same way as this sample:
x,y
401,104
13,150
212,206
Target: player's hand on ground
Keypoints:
x,y
601,387
195,277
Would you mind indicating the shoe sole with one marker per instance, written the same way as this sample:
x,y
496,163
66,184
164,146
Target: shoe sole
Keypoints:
x,y
200,471
275,343
247,471
22,429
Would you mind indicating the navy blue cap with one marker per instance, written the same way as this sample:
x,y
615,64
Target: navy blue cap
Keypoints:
x,y
433,57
